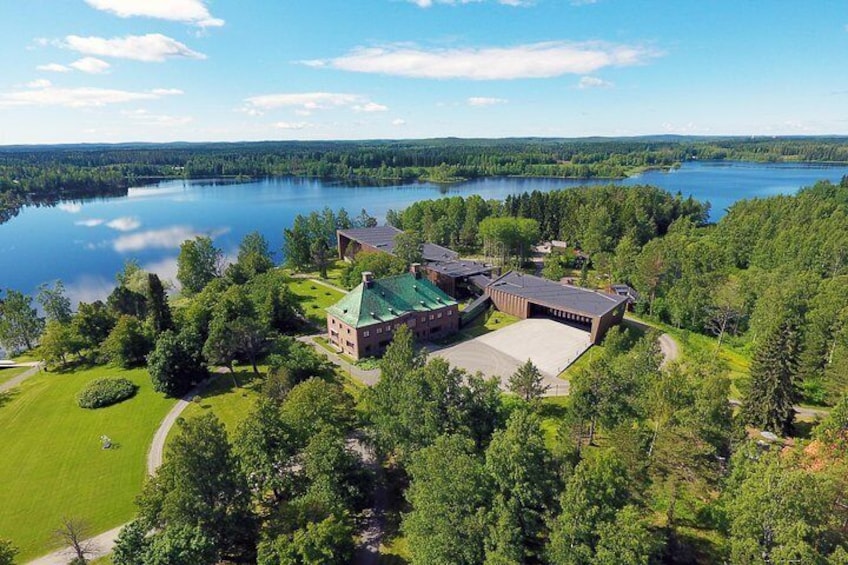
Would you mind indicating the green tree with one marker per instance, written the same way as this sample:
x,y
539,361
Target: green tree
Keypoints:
x,y
58,342
625,541
365,220
55,304
769,403
595,492
198,263
409,247
127,344
200,487
176,363
183,544
254,258
92,324
158,310
321,256
527,382
20,324
315,405
126,302
297,244
131,545
265,445
7,552
523,478
448,495
379,264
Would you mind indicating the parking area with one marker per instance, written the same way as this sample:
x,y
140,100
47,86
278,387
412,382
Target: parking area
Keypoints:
x,y
551,346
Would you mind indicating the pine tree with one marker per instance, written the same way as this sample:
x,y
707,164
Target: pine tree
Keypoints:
x,y
768,404
527,383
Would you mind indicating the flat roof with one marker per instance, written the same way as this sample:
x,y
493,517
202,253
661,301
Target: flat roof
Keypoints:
x,y
383,238
555,295
460,268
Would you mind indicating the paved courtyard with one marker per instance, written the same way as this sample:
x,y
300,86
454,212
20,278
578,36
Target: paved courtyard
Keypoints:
x,y
551,346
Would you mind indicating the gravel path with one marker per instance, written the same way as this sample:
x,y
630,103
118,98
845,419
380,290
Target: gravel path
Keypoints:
x,y
371,534
670,349
102,544
35,367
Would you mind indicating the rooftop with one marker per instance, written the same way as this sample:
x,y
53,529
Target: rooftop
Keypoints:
x,y
459,268
384,300
555,295
383,238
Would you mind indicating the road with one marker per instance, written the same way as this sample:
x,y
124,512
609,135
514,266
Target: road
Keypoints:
x,y
34,368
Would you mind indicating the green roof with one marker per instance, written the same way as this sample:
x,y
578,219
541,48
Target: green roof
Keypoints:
x,y
388,299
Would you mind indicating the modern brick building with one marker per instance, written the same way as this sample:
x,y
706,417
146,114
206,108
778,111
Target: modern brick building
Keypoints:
x,y
526,296
442,266
363,322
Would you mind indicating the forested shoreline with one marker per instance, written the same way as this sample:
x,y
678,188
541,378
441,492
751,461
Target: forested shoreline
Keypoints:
x,y
46,175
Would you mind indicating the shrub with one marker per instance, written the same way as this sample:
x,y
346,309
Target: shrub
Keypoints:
x,y
105,392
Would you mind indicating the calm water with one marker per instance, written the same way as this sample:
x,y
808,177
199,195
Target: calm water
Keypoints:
x,y
84,243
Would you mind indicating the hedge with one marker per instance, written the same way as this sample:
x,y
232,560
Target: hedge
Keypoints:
x,y
105,392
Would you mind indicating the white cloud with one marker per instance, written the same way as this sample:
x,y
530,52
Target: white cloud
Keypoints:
x,y
167,91
54,68
370,107
145,118
91,65
189,11
535,60
69,207
81,97
306,102
429,3
126,223
165,268
89,223
398,122
168,238
89,288
593,82
150,48
485,101
40,83
292,125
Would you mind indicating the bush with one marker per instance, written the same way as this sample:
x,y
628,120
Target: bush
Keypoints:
x,y
105,392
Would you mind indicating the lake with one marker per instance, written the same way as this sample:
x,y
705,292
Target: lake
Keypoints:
x,y
84,243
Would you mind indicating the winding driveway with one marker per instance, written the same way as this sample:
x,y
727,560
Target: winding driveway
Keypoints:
x,y
102,544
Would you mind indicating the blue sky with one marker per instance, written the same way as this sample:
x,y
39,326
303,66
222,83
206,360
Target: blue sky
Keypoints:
x,y
197,70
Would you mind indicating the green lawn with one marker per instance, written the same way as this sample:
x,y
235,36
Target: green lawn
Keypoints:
x,y
11,373
230,404
486,323
314,299
334,274
51,461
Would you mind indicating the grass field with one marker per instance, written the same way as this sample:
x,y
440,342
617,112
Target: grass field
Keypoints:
x,y
230,404
51,461
334,274
314,299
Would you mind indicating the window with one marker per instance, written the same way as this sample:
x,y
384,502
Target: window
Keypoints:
x,y
379,330
439,315
332,321
450,312
432,317
423,318
366,333
388,327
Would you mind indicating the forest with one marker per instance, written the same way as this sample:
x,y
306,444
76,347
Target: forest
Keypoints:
x,y
45,175
644,462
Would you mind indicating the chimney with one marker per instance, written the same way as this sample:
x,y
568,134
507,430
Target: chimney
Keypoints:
x,y
415,269
367,279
